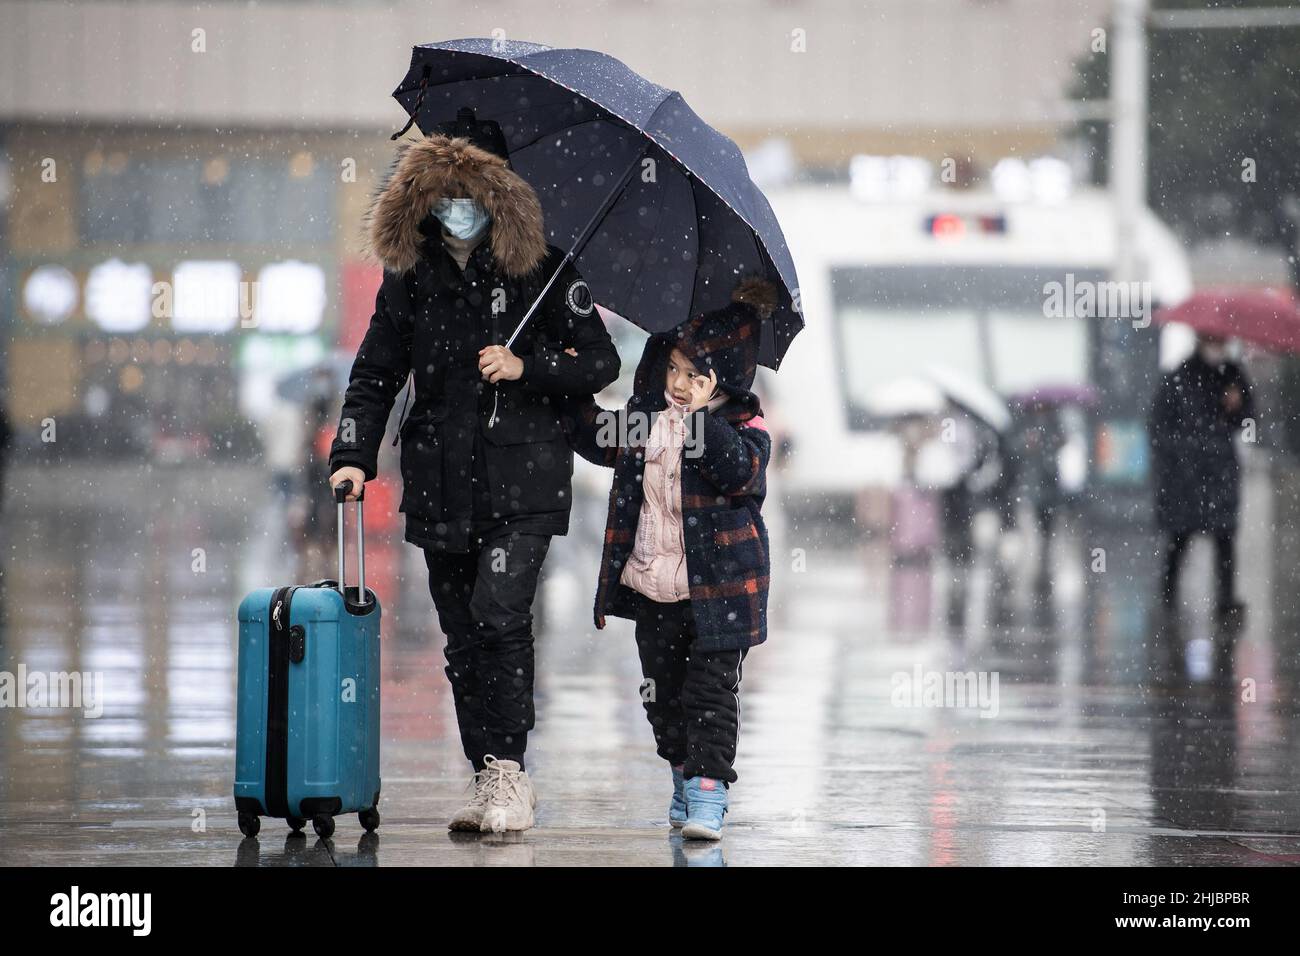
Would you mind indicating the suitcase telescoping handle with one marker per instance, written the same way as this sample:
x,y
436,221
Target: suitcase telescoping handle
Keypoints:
x,y
340,498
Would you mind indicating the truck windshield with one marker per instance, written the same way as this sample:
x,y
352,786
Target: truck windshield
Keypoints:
x,y
983,322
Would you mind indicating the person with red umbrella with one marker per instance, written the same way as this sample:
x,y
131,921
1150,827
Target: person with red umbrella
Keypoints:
x,y
1198,409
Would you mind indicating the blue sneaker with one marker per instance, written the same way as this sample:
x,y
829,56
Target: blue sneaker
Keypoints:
x,y
706,802
677,808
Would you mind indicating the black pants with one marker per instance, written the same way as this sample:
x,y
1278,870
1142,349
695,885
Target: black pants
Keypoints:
x,y
484,601
691,697
1225,566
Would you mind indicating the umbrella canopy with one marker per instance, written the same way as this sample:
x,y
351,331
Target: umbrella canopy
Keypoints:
x,y
659,204
324,379
1056,395
1260,316
973,396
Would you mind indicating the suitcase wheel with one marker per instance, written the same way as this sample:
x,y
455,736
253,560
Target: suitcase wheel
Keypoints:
x,y
323,824
249,824
369,819
296,824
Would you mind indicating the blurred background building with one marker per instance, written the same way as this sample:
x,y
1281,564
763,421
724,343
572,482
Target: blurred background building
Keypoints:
x,y
233,146
235,143
184,188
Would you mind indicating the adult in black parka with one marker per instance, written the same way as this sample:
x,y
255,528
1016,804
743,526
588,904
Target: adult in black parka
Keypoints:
x,y
1198,411
486,469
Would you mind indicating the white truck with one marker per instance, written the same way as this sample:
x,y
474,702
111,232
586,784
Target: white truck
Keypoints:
x,y
891,284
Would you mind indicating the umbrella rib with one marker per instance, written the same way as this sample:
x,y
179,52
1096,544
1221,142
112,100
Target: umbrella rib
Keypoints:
x,y
695,216
591,161
759,250
663,193
541,136
694,175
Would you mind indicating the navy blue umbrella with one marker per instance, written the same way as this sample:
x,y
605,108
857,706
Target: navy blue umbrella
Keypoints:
x,y
655,206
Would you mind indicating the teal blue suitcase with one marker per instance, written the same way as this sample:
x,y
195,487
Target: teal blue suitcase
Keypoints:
x,y
307,711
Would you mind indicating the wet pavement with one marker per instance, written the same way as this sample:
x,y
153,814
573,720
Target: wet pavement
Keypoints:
x,y
1094,733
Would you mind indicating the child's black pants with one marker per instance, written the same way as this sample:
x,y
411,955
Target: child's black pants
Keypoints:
x,y
691,698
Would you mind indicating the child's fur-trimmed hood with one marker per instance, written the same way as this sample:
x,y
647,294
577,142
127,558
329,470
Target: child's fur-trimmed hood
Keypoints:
x,y
437,167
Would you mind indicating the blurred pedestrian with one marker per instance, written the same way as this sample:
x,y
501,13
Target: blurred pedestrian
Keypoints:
x,y
915,527
283,448
1036,448
6,437
316,461
967,470
1198,409
686,551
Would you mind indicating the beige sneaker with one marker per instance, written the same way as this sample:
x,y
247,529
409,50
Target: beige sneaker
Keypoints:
x,y
510,797
470,816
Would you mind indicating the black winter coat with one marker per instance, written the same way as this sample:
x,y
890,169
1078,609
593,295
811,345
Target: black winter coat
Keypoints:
x,y
1195,472
432,327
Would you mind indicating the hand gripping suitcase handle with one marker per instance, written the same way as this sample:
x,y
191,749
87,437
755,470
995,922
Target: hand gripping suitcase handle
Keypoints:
x,y
340,498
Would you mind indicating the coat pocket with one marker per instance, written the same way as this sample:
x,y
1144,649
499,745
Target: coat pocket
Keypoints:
x,y
522,418
421,459
643,549
529,462
736,541
424,418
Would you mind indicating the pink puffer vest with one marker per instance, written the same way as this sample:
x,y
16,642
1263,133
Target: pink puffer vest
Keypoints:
x,y
657,564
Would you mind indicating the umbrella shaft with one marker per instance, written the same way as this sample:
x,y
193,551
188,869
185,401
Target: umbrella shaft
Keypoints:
x,y
583,236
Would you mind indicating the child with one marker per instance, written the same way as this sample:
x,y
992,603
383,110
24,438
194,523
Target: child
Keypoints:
x,y
686,551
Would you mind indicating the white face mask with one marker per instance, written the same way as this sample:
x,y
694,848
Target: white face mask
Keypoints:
x,y
1214,355
462,218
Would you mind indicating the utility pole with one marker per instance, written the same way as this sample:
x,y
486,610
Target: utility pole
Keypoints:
x,y
1128,134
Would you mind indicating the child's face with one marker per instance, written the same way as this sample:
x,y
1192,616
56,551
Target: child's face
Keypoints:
x,y
681,372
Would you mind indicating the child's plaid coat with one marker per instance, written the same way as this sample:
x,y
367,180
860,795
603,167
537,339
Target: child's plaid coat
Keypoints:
x,y
724,468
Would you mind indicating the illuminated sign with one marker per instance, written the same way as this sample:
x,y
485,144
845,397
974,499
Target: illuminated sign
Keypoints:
x,y
205,296
1045,179
886,178
290,297
118,295
50,294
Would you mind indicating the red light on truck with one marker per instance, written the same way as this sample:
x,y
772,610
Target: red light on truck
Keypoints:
x,y
946,226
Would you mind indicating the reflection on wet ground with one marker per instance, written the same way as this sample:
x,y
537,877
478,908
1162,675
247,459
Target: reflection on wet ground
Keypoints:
x,y
1091,732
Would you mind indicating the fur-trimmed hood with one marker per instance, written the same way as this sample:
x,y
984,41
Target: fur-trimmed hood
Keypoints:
x,y
436,167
